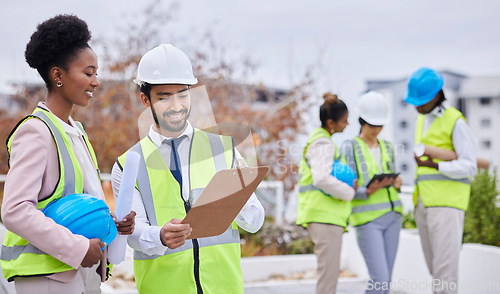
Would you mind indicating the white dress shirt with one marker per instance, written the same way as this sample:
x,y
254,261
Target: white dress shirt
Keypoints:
x,y
465,166
320,156
146,238
92,184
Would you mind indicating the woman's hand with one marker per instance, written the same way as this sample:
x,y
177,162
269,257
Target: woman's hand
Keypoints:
x,y
94,253
379,184
428,163
398,182
126,226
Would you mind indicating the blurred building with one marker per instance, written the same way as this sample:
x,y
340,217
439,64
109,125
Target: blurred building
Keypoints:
x,y
477,97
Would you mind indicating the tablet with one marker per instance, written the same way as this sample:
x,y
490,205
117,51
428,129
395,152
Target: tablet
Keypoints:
x,y
380,177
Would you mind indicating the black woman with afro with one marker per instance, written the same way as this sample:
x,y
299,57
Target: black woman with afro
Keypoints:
x,y
50,157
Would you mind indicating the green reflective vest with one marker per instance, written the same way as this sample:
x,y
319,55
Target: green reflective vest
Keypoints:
x,y
383,200
205,265
19,257
434,188
314,206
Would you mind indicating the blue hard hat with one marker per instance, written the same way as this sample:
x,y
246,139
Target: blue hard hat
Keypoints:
x,y
423,85
343,173
84,215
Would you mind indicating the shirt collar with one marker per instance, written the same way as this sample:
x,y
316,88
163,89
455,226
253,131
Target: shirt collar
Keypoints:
x,y
158,138
438,111
70,129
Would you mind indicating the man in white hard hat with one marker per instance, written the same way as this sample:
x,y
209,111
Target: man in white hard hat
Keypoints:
x,y
164,261
442,188
376,208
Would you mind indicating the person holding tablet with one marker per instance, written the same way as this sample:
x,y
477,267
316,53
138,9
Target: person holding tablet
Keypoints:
x,y
376,208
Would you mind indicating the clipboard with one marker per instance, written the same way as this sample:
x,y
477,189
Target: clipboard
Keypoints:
x,y
380,177
222,200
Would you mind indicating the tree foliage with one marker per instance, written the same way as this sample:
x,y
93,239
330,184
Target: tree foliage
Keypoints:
x,y
111,118
482,218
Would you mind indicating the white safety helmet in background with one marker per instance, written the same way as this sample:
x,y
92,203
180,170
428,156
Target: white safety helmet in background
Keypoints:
x,y
165,64
373,108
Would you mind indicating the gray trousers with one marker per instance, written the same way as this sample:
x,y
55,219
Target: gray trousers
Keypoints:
x,y
378,241
441,230
327,241
87,281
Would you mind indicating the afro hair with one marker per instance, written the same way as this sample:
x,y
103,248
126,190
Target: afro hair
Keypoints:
x,y
55,42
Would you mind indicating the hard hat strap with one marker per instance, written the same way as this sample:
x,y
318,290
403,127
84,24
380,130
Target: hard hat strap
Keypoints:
x,y
153,111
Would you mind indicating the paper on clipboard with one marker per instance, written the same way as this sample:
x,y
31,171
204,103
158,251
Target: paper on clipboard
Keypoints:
x,y
222,200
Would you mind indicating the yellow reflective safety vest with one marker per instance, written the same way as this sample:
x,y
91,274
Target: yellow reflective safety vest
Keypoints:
x,y
383,200
315,206
19,257
205,265
434,188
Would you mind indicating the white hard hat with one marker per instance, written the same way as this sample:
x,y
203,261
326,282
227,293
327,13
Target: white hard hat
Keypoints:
x,y
165,64
373,108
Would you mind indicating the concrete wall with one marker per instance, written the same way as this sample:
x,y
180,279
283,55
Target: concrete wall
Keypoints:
x,y
479,266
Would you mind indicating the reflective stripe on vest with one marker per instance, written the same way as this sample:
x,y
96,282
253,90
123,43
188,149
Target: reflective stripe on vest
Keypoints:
x,y
229,236
384,199
69,171
303,189
313,204
434,188
89,147
10,253
200,264
439,177
20,258
374,207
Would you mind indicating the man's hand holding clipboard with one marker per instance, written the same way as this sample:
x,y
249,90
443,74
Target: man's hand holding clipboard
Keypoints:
x,y
222,200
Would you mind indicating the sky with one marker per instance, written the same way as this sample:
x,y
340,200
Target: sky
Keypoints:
x,y
343,42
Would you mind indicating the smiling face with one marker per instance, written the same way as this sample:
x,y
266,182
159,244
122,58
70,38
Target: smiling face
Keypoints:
x,y
171,105
79,81
339,125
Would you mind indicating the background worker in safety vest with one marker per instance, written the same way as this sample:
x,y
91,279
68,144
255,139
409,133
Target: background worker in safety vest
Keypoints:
x,y
164,261
324,201
376,208
51,157
442,188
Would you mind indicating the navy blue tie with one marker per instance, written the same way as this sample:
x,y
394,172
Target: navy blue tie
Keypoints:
x,y
175,163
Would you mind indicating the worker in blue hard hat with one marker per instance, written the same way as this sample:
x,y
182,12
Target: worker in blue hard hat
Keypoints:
x,y
324,201
50,158
376,208
442,188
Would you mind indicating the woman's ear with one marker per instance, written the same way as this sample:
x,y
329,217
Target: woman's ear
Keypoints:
x,y
56,75
330,124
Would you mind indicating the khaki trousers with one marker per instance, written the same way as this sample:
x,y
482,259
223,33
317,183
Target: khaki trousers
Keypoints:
x,y
327,241
441,230
87,281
